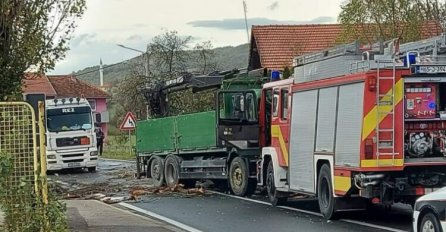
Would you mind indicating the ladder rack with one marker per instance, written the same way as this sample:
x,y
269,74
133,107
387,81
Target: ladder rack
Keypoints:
x,y
353,58
345,49
385,111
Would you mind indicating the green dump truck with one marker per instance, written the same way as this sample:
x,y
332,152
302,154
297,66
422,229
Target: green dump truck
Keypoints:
x,y
220,145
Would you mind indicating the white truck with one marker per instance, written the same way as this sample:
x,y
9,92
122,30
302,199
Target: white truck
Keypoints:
x,y
71,137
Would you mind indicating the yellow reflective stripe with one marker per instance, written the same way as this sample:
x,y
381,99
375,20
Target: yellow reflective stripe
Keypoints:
x,y
382,163
342,183
277,133
369,122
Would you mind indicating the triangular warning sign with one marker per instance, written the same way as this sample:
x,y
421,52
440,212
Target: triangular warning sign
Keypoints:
x,y
129,122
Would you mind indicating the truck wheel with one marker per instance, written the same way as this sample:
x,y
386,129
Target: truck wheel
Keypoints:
x,y
91,169
273,194
325,196
171,170
157,171
239,180
429,223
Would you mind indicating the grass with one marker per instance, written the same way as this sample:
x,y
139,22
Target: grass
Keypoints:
x,y
117,147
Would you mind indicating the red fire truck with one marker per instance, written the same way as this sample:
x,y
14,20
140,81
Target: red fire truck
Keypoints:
x,y
357,125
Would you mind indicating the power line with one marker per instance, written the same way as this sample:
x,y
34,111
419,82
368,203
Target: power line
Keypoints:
x,y
96,70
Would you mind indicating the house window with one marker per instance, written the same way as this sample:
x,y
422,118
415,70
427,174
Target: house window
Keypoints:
x,y
92,103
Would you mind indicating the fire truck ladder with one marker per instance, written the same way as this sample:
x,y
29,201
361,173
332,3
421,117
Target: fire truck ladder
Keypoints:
x,y
385,108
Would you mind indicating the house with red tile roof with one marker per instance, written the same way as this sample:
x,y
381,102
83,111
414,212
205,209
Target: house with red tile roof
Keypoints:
x,y
275,46
38,83
65,86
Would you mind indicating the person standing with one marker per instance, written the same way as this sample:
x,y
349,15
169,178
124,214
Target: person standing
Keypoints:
x,y
99,140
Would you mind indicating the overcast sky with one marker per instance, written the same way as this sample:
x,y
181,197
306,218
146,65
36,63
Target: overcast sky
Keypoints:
x,y
134,23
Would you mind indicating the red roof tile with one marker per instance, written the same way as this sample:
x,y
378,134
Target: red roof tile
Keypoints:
x,y
38,83
277,45
70,86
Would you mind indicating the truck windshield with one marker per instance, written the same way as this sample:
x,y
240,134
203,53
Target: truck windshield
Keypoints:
x,y
240,106
69,119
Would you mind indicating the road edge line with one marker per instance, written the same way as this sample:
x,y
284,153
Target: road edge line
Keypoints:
x,y
314,213
372,225
160,217
266,203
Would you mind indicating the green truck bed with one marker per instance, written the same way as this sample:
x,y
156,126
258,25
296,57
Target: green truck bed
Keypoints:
x,y
177,133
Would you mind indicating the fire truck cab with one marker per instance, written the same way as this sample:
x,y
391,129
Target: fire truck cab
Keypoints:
x,y
357,125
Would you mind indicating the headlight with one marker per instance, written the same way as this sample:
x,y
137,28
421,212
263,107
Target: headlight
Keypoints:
x,y
93,153
51,156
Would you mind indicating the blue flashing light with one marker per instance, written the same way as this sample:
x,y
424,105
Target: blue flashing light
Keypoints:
x,y
410,59
275,75
432,105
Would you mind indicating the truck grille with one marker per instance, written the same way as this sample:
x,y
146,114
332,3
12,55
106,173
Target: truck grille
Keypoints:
x,y
72,155
65,142
73,161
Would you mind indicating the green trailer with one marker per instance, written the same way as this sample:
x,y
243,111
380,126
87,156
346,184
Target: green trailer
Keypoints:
x,y
220,145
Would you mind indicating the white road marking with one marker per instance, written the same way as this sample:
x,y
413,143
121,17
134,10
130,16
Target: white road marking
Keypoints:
x,y
162,218
372,225
314,213
266,203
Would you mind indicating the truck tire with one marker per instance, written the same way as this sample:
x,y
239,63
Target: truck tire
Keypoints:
x,y
429,222
274,196
171,170
157,171
91,169
239,180
326,200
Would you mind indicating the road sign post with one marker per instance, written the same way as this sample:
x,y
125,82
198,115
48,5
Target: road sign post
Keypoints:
x,y
128,125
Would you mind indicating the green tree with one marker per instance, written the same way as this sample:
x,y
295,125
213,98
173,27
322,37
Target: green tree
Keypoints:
x,y
168,58
371,20
33,37
287,72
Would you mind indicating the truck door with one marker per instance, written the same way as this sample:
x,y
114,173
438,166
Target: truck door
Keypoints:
x,y
237,119
265,113
280,123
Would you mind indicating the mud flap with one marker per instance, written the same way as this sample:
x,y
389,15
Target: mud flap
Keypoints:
x,y
350,203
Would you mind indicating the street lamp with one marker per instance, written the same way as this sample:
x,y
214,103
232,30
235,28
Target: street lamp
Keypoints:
x,y
146,54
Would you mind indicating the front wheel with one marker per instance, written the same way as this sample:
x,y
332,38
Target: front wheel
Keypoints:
x,y
239,180
273,194
91,169
157,171
326,200
429,223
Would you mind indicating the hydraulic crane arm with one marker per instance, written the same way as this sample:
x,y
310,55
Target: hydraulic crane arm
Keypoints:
x,y
156,95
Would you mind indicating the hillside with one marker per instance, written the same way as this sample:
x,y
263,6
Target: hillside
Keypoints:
x,y
227,57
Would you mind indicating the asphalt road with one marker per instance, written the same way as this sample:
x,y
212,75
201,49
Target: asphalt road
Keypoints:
x,y
218,212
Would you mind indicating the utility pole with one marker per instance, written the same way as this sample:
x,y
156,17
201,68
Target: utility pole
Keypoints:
x,y
245,9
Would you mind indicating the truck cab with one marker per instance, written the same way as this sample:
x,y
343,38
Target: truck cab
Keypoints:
x,y
71,138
